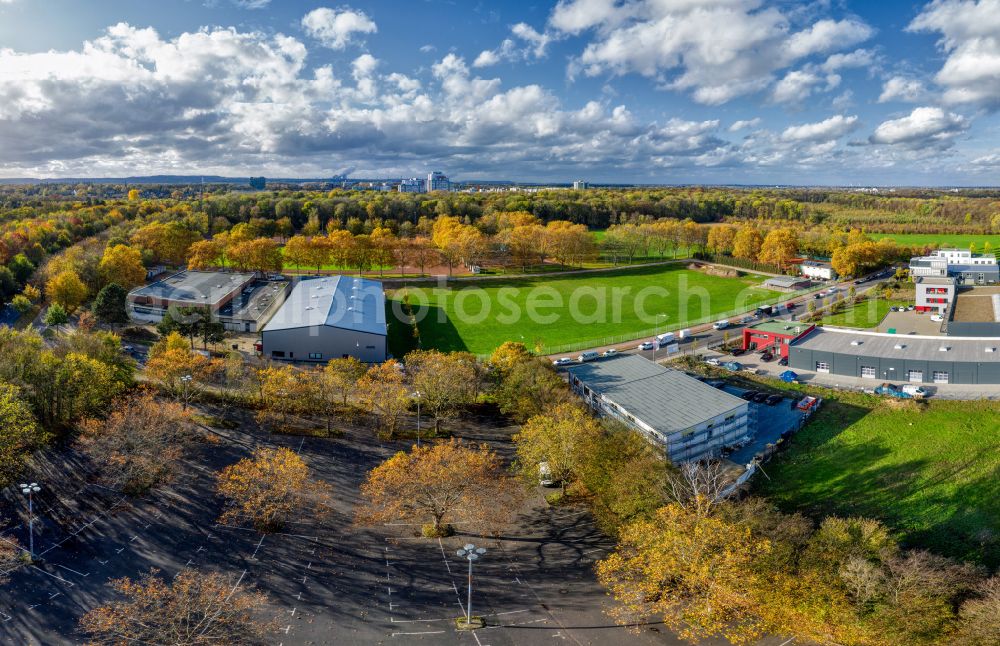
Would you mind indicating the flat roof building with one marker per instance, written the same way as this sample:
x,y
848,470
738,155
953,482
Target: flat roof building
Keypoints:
x,y
786,283
329,318
817,269
211,289
961,264
887,357
934,293
688,418
774,335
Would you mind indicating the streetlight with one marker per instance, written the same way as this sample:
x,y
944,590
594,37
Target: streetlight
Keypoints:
x,y
416,393
470,552
185,380
29,490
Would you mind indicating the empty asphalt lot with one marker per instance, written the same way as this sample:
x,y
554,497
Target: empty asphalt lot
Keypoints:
x,y
329,584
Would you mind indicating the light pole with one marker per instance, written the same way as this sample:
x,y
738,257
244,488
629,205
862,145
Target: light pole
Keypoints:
x,y
470,552
416,393
185,381
29,490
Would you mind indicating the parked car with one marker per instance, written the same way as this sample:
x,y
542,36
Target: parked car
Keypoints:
x,y
738,352
760,398
749,395
767,356
720,325
783,361
589,355
610,352
746,319
713,361
937,318
545,475
773,400
564,361
893,309
647,345
790,305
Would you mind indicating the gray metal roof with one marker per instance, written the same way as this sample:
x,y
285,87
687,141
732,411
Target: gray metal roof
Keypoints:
x,y
961,267
936,280
194,287
336,301
785,281
922,348
667,400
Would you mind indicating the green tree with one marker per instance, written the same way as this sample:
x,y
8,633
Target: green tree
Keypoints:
x,y
109,306
19,433
560,438
21,304
55,315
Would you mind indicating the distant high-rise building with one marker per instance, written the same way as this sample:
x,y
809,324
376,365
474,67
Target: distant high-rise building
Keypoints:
x,y
412,185
579,185
438,181
258,183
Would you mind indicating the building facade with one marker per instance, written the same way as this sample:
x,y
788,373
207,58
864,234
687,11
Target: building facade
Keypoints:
x,y
889,357
964,266
580,185
687,418
817,270
329,318
200,289
934,293
412,185
438,181
775,336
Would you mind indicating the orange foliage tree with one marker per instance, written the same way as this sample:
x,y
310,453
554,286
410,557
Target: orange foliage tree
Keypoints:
x,y
440,485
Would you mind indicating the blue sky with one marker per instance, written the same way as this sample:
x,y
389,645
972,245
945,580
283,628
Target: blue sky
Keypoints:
x,y
653,91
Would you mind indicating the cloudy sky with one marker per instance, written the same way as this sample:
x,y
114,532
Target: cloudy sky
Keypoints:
x,y
652,91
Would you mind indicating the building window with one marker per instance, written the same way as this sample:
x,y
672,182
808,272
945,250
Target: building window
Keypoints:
x,y
915,375
280,354
822,366
868,372
315,355
369,347
940,377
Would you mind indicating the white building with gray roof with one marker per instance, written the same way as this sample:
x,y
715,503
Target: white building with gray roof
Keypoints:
x,y
329,318
688,418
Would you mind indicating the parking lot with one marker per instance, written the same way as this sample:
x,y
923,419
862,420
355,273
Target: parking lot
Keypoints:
x,y
330,583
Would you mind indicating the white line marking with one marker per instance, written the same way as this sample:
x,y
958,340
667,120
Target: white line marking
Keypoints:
x,y
426,632
254,555
54,576
72,570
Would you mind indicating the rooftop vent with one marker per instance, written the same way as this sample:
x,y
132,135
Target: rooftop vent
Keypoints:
x,y
944,348
899,346
991,349
856,342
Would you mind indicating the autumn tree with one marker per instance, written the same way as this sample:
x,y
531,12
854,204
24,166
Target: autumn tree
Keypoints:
x,y
139,444
779,246
747,243
529,389
445,381
284,391
695,573
440,485
166,242
206,254
171,361
382,390
507,356
721,238
66,289
55,315
334,384
194,608
122,264
978,625
270,488
19,433
560,438
261,255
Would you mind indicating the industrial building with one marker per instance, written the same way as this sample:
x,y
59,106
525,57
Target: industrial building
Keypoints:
x,y
211,289
964,266
775,336
894,357
328,318
817,270
787,283
688,418
934,293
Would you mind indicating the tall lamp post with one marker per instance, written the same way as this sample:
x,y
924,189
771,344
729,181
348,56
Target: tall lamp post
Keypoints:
x,y
416,393
29,490
470,553
185,384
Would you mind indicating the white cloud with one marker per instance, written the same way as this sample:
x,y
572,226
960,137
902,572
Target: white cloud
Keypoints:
x,y
246,4
857,58
716,49
970,36
900,88
795,86
336,29
924,127
526,44
744,124
827,130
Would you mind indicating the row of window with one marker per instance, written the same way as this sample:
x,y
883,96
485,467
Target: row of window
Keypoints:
x,y
917,376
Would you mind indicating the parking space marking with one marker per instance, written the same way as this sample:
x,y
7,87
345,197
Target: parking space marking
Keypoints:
x,y
54,576
71,570
253,557
426,632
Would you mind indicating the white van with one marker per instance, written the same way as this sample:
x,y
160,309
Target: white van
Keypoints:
x,y
721,325
684,334
665,339
589,355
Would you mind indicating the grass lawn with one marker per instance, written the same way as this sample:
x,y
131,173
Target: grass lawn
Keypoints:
x,y
864,314
959,240
560,313
930,471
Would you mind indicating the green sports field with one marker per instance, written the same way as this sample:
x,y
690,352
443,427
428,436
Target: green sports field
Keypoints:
x,y
864,314
931,472
567,312
959,240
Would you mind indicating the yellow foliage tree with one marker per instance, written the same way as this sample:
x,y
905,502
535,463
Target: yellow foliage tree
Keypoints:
x,y
123,265
383,392
67,289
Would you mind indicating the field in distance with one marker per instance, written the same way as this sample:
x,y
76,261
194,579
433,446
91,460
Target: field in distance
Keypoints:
x,y
958,240
574,309
929,471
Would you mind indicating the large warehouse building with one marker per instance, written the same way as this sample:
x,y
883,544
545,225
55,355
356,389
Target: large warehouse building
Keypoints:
x,y
329,318
212,289
894,357
688,418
